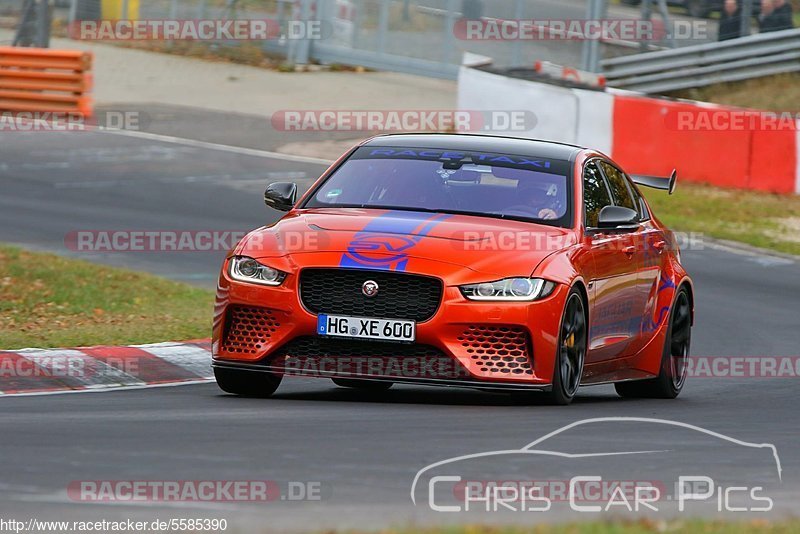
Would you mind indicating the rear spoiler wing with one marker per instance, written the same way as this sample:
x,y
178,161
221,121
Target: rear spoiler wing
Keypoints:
x,y
658,182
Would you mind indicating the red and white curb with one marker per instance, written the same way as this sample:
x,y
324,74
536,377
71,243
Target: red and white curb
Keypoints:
x,y
36,371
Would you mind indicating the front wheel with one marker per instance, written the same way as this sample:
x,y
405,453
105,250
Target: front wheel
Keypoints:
x,y
571,354
369,385
247,383
672,375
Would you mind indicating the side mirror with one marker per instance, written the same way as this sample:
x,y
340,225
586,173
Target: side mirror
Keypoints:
x,y
617,217
281,195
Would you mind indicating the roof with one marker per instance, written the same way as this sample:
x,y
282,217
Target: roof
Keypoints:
x,y
479,143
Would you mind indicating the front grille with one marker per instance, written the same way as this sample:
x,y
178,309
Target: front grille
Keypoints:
x,y
498,349
248,328
321,356
400,295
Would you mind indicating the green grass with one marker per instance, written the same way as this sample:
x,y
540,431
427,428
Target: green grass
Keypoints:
x,y
638,527
50,301
771,93
761,219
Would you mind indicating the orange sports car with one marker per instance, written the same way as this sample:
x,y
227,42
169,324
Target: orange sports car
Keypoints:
x,y
459,260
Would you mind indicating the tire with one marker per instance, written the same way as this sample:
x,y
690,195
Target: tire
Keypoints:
x,y
247,383
367,385
698,8
672,374
571,355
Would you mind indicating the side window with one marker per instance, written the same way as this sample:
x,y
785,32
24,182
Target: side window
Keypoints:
x,y
641,206
619,188
595,193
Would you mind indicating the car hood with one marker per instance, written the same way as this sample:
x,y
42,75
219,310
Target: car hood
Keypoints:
x,y
429,243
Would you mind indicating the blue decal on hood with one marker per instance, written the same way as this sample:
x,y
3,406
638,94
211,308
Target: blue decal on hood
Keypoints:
x,y
385,242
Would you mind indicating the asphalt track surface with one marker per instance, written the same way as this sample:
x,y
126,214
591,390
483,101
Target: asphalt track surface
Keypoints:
x,y
363,450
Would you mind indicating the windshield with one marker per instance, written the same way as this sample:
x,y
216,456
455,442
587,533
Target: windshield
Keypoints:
x,y
473,183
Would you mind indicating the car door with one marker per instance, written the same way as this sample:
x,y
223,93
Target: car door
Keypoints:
x,y
613,284
654,243
623,194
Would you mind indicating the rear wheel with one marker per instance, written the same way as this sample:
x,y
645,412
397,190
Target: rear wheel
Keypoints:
x,y
571,351
672,375
247,383
369,385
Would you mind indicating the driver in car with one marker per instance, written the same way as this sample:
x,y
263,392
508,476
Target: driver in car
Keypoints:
x,y
537,202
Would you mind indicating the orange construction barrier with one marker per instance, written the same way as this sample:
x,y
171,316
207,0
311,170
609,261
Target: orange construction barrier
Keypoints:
x,y
43,80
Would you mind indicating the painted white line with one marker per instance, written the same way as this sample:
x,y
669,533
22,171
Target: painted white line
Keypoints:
x,y
139,346
145,346
217,146
104,390
753,253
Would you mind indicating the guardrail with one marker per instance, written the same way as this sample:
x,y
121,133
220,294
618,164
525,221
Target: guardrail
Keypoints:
x,y
44,80
758,55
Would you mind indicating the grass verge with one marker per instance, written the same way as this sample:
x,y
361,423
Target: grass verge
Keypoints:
x,y
760,219
50,301
771,93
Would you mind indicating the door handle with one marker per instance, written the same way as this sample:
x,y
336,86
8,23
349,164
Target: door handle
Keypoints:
x,y
659,246
628,251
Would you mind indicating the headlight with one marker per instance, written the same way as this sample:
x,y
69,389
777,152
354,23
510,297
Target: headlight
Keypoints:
x,y
518,289
247,269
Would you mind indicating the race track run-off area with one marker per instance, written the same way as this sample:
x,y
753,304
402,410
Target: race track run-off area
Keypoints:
x,y
315,456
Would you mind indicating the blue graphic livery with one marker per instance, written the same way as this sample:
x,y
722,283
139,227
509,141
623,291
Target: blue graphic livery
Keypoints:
x,y
385,242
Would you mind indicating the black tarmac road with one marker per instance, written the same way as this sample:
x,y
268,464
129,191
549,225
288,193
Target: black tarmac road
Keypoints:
x,y
341,457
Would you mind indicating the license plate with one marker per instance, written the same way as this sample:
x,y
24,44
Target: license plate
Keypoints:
x,y
366,328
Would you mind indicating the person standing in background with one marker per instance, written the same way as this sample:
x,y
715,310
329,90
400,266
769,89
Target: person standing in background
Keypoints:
x,y
776,15
730,22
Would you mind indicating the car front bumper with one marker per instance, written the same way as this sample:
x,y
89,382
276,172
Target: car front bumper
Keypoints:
x,y
500,345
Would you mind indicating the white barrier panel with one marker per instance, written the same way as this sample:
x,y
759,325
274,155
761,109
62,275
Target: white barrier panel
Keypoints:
x,y
562,114
595,120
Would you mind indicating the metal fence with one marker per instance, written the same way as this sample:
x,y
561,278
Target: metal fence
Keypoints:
x,y
697,66
419,37
414,36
